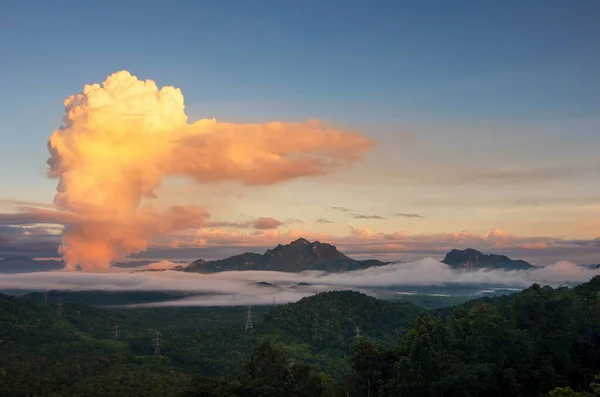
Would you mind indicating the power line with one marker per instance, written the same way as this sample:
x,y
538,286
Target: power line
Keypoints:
x,y
249,318
156,343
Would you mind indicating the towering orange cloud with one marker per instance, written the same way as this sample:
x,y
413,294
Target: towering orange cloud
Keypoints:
x,y
121,138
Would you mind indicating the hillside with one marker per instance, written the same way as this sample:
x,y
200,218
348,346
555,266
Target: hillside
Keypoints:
x,y
524,344
101,298
596,266
298,256
473,259
329,319
44,354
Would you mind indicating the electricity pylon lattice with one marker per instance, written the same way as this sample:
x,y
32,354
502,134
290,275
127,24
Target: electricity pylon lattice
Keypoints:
x,y
249,318
156,343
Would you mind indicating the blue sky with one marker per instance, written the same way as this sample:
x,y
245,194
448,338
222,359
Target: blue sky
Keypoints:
x,y
481,85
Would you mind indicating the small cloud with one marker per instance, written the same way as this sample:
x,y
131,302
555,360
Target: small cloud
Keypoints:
x,y
342,209
408,215
362,216
266,223
323,220
294,220
365,233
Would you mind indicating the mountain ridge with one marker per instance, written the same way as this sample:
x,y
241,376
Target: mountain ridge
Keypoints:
x,y
297,256
15,264
23,264
470,258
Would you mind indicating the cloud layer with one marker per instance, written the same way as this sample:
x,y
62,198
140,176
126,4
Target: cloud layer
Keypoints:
x,y
122,138
226,286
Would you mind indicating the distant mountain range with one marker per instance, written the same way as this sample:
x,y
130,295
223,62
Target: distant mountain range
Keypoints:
x,y
592,266
473,259
297,256
24,264
301,255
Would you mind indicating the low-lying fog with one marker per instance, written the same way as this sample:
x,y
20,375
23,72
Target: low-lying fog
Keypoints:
x,y
265,287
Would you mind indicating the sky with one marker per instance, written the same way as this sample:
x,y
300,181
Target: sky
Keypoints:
x,y
441,125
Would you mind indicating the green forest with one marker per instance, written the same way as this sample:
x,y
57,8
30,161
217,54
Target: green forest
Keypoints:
x,y
537,342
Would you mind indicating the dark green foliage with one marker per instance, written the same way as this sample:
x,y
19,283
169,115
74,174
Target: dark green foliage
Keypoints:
x,y
327,320
538,342
432,302
524,344
102,298
568,392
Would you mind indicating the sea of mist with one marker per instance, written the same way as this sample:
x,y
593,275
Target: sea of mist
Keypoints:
x,y
232,288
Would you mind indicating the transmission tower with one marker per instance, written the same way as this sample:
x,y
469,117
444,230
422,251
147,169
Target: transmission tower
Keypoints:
x,y
273,301
249,318
60,310
45,298
357,332
116,331
156,343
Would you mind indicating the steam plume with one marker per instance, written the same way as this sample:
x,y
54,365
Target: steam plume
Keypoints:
x,y
121,139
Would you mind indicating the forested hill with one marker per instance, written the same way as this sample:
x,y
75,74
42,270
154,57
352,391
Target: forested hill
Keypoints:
x,y
525,344
329,319
102,298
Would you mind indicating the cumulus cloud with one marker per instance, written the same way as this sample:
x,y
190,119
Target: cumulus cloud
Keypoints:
x,y
266,223
223,286
120,140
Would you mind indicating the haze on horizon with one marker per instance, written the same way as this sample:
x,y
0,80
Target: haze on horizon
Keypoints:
x,y
395,132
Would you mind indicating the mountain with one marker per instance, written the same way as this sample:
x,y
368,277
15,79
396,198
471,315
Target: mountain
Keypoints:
x,y
594,267
473,259
131,265
23,264
297,256
177,268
